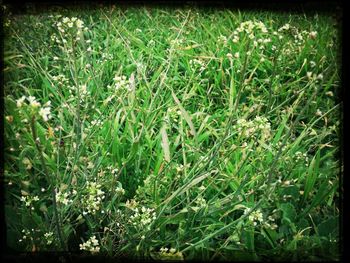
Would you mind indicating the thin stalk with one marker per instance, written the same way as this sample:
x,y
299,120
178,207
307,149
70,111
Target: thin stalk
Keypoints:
x,y
273,75
274,161
242,76
53,192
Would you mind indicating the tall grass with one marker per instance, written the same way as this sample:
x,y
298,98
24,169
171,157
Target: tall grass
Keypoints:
x,y
173,134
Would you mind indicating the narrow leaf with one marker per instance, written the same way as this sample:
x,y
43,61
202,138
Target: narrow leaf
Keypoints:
x,y
165,143
185,115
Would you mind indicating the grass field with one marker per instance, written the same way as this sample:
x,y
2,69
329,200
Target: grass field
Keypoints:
x,y
173,134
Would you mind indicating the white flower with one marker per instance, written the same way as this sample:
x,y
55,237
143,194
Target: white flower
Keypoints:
x,y
235,39
237,55
329,93
27,162
32,102
91,245
313,34
318,112
63,198
79,23
45,113
90,165
20,101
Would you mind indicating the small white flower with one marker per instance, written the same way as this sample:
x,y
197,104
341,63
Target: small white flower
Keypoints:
x,y
20,101
27,162
79,23
318,112
329,93
313,34
45,113
65,20
236,55
32,102
320,76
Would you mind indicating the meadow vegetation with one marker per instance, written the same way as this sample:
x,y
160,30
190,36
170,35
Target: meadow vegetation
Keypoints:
x,y
173,133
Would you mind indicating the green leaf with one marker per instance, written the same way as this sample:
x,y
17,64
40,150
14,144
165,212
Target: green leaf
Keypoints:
x,y
289,213
312,175
321,194
329,227
248,237
185,115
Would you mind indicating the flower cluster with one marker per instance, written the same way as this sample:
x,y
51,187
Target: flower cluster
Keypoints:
x,y
93,198
49,238
299,156
28,200
249,128
44,112
63,198
200,203
170,254
250,28
120,191
172,114
142,218
180,167
222,39
270,223
83,92
197,64
26,235
68,26
27,163
254,217
121,82
91,245
96,123
60,79
257,34
176,42
299,36
313,76
131,204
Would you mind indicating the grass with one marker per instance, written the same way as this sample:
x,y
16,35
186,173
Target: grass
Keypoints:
x,y
173,134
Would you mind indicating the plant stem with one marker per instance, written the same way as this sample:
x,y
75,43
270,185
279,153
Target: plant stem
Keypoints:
x,y
53,192
242,77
